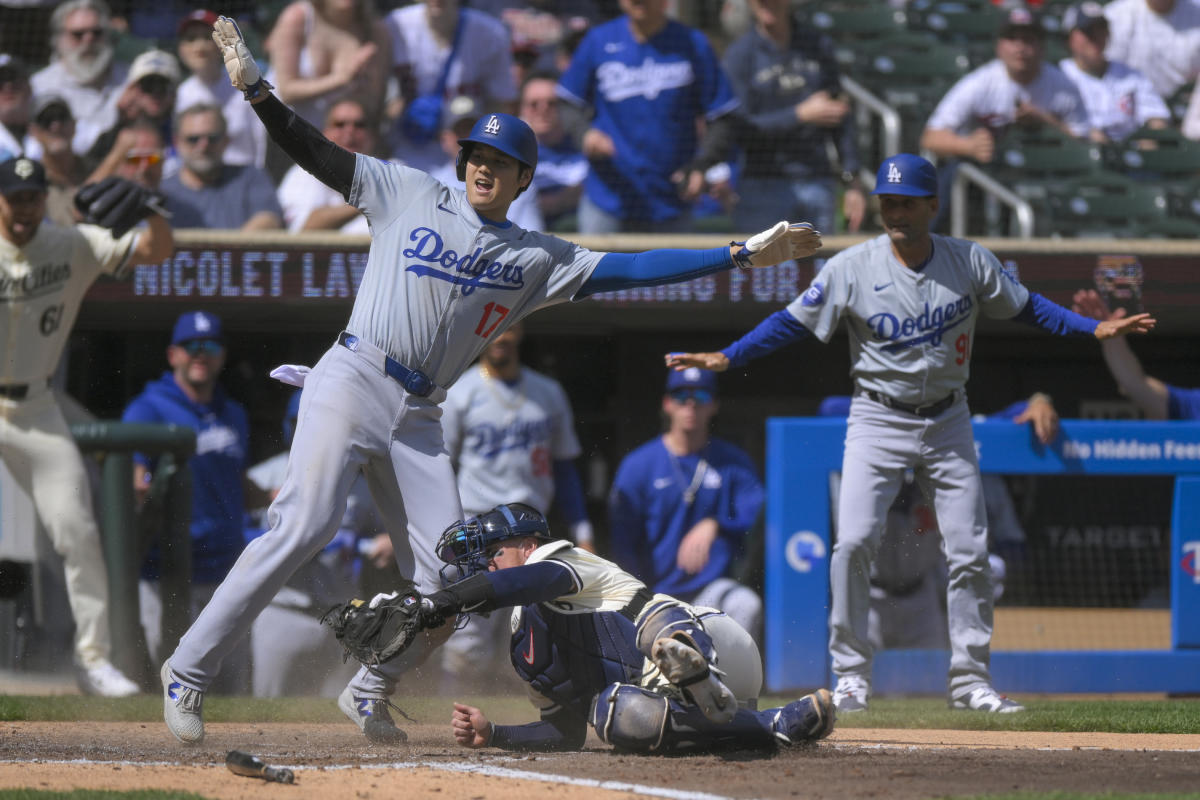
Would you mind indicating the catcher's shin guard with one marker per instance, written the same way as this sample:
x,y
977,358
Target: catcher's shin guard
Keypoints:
x,y
667,620
684,652
637,719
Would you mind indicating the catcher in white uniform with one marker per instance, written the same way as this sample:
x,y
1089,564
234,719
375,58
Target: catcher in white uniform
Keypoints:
x,y
446,273
45,270
910,300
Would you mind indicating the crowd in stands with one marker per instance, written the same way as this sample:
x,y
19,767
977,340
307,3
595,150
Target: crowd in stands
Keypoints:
x,y
652,116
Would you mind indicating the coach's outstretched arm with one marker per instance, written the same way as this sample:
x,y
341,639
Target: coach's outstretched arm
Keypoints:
x,y
774,332
308,147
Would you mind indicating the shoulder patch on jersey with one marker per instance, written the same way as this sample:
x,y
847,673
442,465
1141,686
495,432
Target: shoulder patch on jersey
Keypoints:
x,y
813,296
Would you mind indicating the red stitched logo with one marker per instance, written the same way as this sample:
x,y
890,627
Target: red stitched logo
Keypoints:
x,y
528,656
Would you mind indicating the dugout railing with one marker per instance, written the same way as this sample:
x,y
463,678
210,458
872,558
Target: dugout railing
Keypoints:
x,y
801,454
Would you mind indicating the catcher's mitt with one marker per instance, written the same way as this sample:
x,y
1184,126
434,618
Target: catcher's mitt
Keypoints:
x,y
378,631
117,204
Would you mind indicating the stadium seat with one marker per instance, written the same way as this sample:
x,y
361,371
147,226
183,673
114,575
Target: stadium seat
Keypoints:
x,y
913,82
1160,154
1105,205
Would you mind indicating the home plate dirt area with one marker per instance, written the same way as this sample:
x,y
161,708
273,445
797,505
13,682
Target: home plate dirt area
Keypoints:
x,y
334,762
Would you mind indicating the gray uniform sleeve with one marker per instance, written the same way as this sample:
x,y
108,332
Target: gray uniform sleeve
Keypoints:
x,y
1000,295
822,305
385,191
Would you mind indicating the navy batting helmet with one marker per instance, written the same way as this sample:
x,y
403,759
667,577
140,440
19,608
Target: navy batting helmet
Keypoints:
x,y
465,544
506,133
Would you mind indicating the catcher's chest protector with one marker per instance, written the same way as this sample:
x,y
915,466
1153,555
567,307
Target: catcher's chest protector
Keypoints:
x,y
569,658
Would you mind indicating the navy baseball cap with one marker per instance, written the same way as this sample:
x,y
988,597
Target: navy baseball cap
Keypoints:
x,y
197,325
691,378
1020,18
21,174
908,175
1085,16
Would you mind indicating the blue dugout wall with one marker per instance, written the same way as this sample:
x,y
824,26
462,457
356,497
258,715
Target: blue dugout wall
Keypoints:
x,y
801,453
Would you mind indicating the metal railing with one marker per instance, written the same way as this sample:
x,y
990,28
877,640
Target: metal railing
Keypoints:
x,y
124,547
966,174
889,118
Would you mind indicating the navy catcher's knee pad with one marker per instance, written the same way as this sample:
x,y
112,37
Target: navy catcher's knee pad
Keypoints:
x,y
629,717
667,620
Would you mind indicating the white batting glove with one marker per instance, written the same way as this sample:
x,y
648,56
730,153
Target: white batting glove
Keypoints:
x,y
781,242
243,70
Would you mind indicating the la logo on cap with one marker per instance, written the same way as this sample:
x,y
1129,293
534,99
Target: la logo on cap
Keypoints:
x,y
23,168
894,175
493,125
691,374
201,322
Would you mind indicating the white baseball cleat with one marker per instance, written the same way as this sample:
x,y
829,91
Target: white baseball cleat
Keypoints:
x,y
105,680
985,698
851,694
372,717
182,708
686,668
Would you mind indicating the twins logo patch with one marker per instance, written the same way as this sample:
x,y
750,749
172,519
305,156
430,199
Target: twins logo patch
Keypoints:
x,y
814,296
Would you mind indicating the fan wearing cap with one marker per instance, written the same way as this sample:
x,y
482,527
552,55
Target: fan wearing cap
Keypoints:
x,y
1119,99
52,128
16,98
446,273
209,85
1018,87
683,504
190,395
45,270
910,301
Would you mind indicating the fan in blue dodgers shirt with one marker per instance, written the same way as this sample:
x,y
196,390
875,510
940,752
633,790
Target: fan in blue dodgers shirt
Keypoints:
x,y
647,672
188,394
910,300
681,505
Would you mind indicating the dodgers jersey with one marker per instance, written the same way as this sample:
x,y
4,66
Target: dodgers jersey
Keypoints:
x,y
911,333
505,438
41,288
440,282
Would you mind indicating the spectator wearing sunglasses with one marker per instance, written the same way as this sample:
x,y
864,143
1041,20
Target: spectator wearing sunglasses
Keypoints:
x,y
83,68
682,504
188,394
52,128
137,154
209,84
206,192
308,204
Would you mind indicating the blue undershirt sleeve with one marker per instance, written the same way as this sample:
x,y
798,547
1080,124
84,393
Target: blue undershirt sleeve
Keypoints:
x,y
530,583
652,268
777,330
1051,317
561,731
568,491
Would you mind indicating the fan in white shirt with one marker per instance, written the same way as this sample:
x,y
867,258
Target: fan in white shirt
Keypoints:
x,y
1119,99
310,205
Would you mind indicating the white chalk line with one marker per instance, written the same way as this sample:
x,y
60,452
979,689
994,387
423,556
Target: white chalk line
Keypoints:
x,y
487,770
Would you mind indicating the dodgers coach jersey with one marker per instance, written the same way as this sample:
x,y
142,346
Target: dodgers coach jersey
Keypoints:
x,y
440,282
911,332
505,438
41,288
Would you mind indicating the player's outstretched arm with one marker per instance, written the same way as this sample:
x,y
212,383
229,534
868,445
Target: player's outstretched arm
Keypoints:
x,y
717,362
1149,394
1040,413
307,146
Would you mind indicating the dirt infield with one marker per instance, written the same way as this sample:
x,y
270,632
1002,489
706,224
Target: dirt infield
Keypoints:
x,y
333,762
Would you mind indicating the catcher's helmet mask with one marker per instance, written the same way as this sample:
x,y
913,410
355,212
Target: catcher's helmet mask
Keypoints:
x,y
508,134
464,545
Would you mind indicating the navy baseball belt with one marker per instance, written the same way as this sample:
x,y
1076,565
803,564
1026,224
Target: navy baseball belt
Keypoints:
x,y
927,410
414,382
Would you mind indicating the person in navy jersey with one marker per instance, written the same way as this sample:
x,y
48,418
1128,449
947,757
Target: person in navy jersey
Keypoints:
x,y
188,394
682,504
648,80
1153,397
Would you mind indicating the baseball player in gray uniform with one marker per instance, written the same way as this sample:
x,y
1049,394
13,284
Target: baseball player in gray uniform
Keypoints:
x,y
45,270
446,273
910,300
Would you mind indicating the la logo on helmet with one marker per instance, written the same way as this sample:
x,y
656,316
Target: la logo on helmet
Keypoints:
x,y
493,126
893,175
